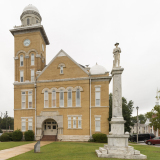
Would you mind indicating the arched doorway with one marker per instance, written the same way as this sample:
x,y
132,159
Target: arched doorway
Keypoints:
x,y
50,127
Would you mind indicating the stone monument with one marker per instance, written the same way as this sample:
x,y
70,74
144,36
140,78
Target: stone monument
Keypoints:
x,y
37,147
118,140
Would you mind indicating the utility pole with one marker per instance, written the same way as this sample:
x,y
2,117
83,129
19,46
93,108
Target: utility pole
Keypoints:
x,y
6,121
137,122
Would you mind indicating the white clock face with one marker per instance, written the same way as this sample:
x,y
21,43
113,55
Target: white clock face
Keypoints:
x,y
26,42
43,47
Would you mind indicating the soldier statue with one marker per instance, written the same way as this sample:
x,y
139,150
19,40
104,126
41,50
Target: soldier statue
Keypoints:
x,y
116,52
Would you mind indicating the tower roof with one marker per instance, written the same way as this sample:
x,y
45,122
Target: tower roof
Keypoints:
x,y
30,7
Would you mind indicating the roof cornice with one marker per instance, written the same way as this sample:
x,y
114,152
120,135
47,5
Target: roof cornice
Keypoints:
x,y
30,28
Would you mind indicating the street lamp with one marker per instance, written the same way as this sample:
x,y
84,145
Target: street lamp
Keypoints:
x,y
137,122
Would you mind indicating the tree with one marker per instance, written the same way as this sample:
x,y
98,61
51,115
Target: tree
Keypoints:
x,y
142,118
127,109
154,117
6,121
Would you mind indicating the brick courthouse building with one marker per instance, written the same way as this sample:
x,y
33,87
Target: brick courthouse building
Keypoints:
x,y
64,98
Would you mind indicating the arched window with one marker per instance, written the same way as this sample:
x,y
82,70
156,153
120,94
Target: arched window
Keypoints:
x,y
32,59
21,60
78,98
46,99
53,98
61,69
61,98
69,98
28,21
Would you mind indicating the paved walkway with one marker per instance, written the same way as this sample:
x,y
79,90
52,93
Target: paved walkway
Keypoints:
x,y
12,152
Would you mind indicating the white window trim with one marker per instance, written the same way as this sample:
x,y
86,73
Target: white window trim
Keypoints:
x,y
60,99
30,122
20,75
44,100
22,61
28,99
52,99
25,99
31,60
70,118
74,120
33,75
21,124
97,116
100,96
80,119
76,98
61,69
71,98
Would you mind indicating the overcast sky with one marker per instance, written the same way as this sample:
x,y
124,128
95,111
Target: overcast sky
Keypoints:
x,y
87,30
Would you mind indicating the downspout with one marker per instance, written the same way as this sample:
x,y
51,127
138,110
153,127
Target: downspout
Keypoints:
x,y
90,105
35,86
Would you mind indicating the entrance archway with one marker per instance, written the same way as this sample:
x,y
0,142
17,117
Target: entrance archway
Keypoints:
x,y
50,127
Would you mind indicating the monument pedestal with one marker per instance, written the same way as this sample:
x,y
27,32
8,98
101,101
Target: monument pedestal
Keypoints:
x,y
118,140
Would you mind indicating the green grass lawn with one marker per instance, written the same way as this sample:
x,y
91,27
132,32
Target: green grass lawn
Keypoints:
x,y
78,151
6,145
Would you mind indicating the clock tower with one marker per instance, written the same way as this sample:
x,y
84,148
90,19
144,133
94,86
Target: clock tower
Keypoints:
x,y
30,42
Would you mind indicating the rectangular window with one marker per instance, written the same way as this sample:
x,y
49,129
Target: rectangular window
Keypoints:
x,y
69,122
97,124
21,76
97,96
78,98
69,98
32,75
30,124
61,98
74,122
29,99
53,98
23,122
61,69
79,122
32,59
23,100
46,99
21,60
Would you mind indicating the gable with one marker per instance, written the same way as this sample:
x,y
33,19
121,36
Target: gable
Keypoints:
x,y
71,69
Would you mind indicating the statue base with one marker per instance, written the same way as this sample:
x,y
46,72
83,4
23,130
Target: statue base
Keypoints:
x,y
118,148
119,152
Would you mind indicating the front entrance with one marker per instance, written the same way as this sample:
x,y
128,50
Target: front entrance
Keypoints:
x,y
50,127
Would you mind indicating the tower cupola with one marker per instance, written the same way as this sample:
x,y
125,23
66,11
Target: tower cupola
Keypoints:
x,y
30,16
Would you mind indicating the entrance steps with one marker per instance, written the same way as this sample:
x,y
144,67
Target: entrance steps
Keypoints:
x,y
49,138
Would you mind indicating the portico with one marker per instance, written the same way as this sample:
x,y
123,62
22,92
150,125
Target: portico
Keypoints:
x,y
49,123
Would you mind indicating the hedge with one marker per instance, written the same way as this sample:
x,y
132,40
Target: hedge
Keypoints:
x,y
4,137
17,135
29,135
10,136
100,137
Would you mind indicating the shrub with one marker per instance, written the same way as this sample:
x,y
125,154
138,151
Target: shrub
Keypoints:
x,y
100,137
1,130
4,137
10,136
17,135
29,135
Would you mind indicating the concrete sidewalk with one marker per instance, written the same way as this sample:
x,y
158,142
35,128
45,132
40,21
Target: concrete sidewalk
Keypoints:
x,y
12,152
